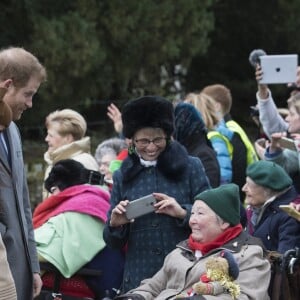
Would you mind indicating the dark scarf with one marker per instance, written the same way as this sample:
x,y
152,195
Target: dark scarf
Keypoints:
x,y
172,163
222,239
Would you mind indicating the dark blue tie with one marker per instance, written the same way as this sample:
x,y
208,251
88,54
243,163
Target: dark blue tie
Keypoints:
x,y
4,145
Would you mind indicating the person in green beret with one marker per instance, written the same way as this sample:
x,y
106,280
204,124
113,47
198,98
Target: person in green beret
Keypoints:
x,y
267,186
215,226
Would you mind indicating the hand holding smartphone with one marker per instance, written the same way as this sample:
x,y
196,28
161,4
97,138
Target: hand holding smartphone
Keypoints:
x,y
287,143
140,207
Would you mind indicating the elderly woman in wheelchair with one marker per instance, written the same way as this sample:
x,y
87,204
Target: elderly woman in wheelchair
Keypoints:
x,y
68,233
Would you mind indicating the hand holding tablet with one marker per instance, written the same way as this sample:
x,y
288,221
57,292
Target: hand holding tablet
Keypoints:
x,y
278,68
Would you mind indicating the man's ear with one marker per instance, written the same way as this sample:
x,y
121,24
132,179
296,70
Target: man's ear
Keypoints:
x,y
6,83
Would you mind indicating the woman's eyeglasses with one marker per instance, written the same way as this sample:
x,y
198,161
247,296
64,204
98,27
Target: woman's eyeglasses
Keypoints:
x,y
159,141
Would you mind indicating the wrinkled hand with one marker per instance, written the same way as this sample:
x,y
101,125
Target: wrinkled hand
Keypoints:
x,y
115,115
37,284
169,206
118,217
295,206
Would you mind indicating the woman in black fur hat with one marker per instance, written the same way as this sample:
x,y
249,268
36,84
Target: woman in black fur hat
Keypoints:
x,y
159,166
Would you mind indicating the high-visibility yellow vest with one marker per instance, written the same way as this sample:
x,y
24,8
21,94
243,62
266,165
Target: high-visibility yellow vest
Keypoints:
x,y
229,146
251,154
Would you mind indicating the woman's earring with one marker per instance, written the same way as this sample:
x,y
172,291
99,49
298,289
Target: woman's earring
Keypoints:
x,y
131,149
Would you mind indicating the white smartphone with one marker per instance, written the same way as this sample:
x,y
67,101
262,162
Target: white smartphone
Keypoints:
x,y
279,68
287,143
140,207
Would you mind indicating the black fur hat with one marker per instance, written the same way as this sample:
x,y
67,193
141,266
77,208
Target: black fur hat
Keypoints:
x,y
69,172
147,111
66,173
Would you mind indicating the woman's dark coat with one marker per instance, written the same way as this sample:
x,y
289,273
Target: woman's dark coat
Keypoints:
x,y
151,237
277,230
190,131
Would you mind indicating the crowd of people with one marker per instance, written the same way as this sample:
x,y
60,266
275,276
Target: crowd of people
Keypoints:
x,y
216,197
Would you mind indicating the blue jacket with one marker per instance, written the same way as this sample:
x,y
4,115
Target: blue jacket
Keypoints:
x,y
220,139
277,230
151,237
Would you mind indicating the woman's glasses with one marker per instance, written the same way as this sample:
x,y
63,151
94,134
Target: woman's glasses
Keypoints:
x,y
159,141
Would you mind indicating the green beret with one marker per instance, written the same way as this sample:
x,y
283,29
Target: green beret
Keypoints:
x,y
269,174
224,201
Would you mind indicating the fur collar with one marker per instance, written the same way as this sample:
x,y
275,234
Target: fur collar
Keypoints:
x,y
171,163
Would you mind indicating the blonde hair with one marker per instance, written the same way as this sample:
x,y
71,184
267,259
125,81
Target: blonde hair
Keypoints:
x,y
206,106
70,122
20,66
221,94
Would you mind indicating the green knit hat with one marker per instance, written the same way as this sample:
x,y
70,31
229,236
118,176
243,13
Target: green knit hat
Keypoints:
x,y
269,174
224,201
